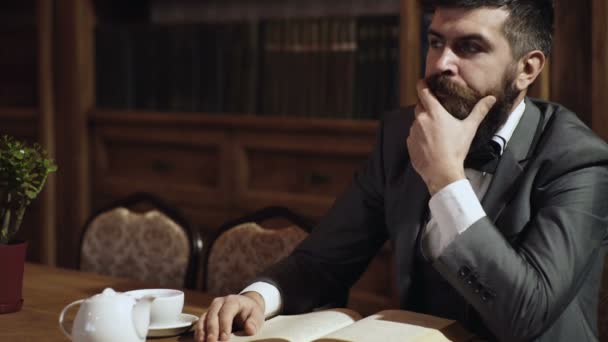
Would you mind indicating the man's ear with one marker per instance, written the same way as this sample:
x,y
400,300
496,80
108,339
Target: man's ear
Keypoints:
x,y
528,68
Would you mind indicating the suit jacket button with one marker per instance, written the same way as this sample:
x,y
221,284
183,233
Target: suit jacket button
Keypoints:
x,y
478,289
472,281
464,271
486,295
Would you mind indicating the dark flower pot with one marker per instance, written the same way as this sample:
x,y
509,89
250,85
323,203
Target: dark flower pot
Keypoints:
x,y
12,260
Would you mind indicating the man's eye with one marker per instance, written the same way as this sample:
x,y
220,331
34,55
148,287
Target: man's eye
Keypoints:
x,y
470,48
435,43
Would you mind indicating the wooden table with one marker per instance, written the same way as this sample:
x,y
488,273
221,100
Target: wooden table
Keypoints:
x,y
47,290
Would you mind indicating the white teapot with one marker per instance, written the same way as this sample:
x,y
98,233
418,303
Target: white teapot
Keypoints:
x,y
109,316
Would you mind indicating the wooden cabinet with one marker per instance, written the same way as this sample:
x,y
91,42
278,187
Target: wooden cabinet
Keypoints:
x,y
237,163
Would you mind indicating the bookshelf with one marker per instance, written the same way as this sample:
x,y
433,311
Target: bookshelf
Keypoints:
x,y
332,67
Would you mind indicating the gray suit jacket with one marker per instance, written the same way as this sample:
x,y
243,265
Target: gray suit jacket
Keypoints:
x,y
530,270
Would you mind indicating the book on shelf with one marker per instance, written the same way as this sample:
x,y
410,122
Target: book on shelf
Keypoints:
x,y
114,75
336,67
188,11
344,325
377,66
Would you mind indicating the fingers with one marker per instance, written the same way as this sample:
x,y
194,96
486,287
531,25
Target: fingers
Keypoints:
x,y
230,309
216,324
426,97
480,110
418,110
199,330
211,322
253,320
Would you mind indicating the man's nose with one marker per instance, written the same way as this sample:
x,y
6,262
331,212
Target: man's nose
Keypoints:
x,y
446,63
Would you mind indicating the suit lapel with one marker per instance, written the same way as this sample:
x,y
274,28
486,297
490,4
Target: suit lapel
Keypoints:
x,y
512,162
412,191
416,195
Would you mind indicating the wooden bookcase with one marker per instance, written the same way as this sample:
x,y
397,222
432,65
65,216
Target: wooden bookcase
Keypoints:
x,y
217,167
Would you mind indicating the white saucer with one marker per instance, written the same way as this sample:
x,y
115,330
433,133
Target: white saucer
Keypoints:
x,y
183,324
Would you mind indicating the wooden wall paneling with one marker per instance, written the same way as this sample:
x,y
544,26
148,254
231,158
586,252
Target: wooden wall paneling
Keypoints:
x,y
570,64
74,98
600,68
47,130
541,88
409,49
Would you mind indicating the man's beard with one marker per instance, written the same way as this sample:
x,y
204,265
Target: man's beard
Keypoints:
x,y
460,101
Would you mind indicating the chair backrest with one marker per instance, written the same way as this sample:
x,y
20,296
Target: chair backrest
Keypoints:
x,y
242,249
157,246
603,304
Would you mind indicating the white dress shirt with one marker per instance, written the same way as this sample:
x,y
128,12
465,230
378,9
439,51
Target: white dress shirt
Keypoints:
x,y
453,209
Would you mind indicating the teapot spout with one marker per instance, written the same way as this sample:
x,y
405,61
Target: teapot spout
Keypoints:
x,y
141,316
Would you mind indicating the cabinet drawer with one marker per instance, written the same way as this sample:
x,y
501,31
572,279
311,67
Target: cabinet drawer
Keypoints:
x,y
300,172
152,163
168,162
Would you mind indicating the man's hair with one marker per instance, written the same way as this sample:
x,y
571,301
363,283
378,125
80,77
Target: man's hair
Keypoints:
x,y
529,25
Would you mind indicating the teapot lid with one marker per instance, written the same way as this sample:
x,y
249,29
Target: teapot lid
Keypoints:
x,y
110,294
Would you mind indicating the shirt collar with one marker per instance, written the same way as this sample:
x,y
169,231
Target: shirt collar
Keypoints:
x,y
505,132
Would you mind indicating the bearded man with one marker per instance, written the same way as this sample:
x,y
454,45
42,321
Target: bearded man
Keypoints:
x,y
496,204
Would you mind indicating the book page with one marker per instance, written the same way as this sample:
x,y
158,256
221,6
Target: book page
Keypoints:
x,y
398,326
300,328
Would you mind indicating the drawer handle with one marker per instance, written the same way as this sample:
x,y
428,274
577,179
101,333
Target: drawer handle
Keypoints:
x,y
318,179
161,166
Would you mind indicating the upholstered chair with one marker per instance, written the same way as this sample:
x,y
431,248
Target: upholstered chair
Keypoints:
x,y
156,246
243,248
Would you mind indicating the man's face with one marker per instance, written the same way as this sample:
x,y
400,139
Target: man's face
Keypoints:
x,y
469,58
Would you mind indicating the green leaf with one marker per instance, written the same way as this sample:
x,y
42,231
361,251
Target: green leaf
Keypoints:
x,y
31,194
23,171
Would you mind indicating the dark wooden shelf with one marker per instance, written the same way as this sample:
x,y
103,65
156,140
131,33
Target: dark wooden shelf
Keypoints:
x,y
226,120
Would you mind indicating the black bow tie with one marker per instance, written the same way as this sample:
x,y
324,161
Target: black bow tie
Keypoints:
x,y
484,158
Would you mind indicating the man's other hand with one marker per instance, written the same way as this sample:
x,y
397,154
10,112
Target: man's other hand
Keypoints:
x,y
246,310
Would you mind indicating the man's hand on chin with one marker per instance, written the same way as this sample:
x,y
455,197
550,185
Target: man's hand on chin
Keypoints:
x,y
246,310
438,142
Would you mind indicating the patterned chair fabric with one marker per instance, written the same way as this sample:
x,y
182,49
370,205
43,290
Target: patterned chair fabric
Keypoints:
x,y
603,304
240,253
149,247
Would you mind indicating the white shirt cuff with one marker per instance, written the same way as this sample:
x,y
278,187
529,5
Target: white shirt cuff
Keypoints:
x,y
271,295
456,207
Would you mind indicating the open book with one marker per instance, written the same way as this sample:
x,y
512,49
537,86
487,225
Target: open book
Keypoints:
x,y
343,325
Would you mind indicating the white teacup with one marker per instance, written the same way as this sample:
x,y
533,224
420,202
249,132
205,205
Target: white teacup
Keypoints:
x,y
166,307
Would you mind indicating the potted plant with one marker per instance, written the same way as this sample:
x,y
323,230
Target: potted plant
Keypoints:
x,y
23,171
